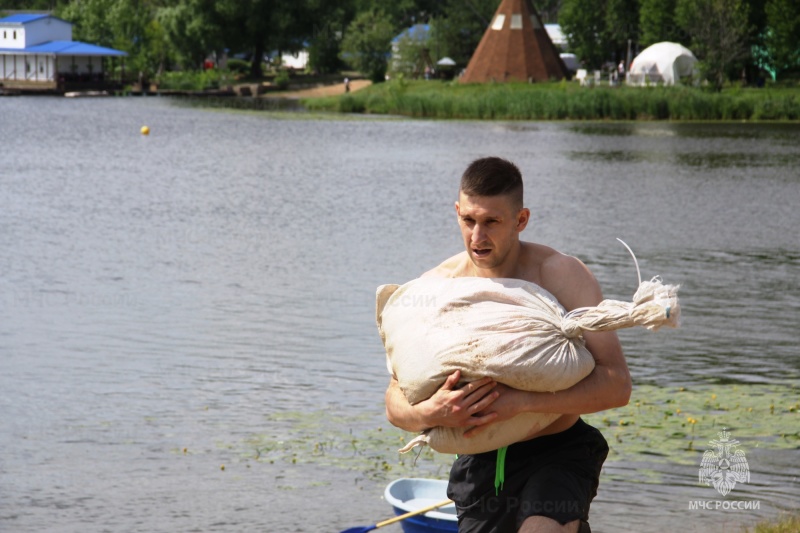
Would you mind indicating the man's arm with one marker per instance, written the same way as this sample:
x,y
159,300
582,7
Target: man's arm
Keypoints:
x,y
449,406
606,387
609,384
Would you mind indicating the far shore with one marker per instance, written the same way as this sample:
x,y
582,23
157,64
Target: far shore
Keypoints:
x,y
561,101
335,89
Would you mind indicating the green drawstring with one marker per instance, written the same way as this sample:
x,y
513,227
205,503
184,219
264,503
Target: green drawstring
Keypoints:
x,y
500,470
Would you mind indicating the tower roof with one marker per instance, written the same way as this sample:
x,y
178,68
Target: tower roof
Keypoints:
x,y
515,47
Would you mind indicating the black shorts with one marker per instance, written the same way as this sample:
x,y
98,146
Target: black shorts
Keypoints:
x,y
554,476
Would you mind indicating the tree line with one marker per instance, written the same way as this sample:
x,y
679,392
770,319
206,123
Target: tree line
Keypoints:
x,y
730,37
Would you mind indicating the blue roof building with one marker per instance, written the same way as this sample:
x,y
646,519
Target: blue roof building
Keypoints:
x,y
417,32
418,35
37,52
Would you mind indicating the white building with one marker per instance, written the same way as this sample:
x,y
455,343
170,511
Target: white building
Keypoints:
x,y
295,61
37,52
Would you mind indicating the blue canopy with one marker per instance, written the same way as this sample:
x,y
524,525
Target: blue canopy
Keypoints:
x,y
66,48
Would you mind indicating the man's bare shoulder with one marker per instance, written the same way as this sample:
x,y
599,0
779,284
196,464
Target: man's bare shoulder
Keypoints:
x,y
563,265
452,267
569,280
535,254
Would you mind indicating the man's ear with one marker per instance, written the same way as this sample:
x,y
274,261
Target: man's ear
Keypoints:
x,y
458,209
523,217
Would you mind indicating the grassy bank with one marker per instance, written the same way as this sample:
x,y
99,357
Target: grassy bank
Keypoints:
x,y
563,101
786,524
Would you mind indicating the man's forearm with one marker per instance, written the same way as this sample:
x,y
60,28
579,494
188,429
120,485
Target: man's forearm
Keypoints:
x,y
400,413
605,388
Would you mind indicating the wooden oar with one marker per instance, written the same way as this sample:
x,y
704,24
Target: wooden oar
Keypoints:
x,y
397,518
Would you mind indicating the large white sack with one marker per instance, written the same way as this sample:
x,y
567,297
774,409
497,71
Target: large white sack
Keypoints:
x,y
508,329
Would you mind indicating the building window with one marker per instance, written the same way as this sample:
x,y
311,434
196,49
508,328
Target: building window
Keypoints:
x,y
499,20
15,35
516,22
535,22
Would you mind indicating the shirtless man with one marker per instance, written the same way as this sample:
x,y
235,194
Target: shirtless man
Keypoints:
x,y
552,476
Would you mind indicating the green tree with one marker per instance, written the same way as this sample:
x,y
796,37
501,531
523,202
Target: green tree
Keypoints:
x,y
458,31
367,44
783,38
757,15
720,33
193,30
323,51
548,10
758,24
622,25
135,30
30,5
256,27
90,21
586,32
330,19
127,25
405,13
657,22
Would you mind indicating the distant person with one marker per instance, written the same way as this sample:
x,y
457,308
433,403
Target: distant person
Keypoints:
x,y
347,85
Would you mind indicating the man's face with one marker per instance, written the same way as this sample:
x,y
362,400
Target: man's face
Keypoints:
x,y
490,227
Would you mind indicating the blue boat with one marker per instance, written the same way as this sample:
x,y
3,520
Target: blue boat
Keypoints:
x,y
409,494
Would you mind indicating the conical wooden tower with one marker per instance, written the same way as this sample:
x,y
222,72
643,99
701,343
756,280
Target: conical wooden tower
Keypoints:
x,y
515,47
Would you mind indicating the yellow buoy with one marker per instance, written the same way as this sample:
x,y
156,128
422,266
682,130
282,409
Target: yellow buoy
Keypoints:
x,y
145,130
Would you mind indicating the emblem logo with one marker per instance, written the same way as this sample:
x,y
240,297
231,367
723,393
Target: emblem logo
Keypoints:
x,y
724,466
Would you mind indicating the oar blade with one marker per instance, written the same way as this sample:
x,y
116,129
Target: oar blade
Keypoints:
x,y
359,529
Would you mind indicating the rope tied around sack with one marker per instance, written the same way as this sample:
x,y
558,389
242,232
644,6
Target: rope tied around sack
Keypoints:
x,y
653,306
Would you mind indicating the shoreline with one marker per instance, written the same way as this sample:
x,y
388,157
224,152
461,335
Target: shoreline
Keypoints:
x,y
336,89
564,101
513,102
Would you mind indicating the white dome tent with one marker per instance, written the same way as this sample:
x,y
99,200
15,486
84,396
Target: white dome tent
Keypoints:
x,y
663,62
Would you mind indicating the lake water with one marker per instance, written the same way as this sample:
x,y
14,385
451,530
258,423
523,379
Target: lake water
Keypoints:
x,y
187,337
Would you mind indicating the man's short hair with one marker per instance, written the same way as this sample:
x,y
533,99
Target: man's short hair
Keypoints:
x,y
493,176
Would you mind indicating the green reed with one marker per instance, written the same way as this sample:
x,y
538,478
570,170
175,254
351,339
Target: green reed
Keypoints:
x,y
563,101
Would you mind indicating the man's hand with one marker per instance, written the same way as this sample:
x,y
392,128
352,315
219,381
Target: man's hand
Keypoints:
x,y
508,404
449,406
452,407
